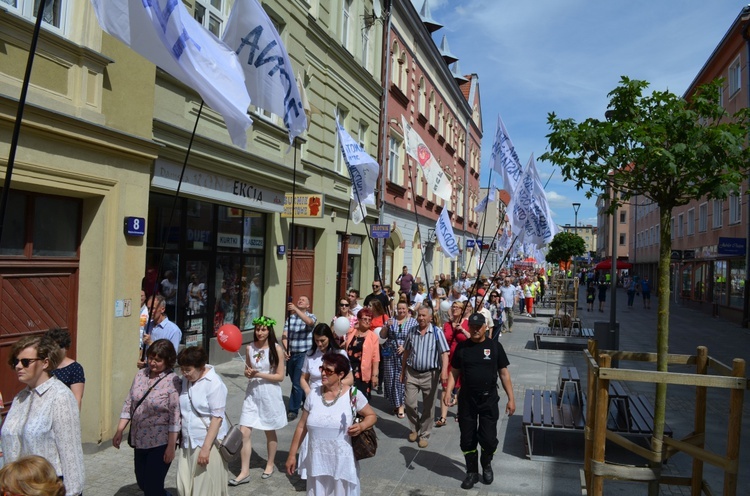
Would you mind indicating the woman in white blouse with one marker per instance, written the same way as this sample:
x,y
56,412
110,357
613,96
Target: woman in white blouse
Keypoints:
x,y
200,468
43,419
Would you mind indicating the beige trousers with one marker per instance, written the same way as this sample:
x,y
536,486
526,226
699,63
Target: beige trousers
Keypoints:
x,y
427,384
194,480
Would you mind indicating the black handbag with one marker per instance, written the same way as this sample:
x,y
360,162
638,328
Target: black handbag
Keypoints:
x,y
130,431
365,445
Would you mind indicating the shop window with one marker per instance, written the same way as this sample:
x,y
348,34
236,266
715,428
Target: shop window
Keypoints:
x,y
199,225
686,282
736,286
14,230
720,282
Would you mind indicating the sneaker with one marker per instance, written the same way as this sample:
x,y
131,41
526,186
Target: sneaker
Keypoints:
x,y
412,437
470,480
422,443
291,416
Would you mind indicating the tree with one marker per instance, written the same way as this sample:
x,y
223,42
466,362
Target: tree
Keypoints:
x,y
565,245
661,146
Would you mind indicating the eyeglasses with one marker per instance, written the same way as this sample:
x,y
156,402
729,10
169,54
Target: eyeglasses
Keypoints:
x,y
25,362
343,304
326,371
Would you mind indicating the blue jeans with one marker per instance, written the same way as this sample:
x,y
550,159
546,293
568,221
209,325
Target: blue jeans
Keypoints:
x,y
294,369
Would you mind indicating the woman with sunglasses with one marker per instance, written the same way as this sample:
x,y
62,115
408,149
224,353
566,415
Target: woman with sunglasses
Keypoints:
x,y
392,355
345,310
43,419
328,423
323,342
363,349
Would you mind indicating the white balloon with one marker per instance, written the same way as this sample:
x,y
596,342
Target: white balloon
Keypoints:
x,y
445,306
377,331
341,326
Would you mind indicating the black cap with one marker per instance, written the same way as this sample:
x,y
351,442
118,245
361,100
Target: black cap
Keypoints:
x,y
476,320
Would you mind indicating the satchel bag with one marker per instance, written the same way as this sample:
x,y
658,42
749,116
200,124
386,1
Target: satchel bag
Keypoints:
x,y
131,443
366,443
230,446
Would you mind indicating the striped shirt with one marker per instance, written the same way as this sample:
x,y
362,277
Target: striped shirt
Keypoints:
x,y
425,351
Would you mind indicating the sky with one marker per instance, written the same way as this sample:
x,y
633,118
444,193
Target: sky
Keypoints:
x,y
564,56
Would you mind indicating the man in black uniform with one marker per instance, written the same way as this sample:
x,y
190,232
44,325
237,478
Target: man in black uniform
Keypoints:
x,y
479,362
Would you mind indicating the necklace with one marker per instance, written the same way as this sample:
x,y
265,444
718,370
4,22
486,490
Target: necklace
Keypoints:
x,y
331,403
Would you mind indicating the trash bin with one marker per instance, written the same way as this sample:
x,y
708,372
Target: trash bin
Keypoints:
x,y
606,338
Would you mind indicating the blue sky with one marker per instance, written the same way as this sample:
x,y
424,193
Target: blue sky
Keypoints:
x,y
536,57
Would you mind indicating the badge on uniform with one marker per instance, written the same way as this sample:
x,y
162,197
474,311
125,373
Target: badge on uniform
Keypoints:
x,y
487,352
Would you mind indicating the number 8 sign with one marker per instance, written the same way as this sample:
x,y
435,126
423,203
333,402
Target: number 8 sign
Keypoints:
x,y
135,226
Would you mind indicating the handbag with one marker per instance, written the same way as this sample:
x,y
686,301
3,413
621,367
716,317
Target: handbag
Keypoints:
x,y
366,443
230,446
130,431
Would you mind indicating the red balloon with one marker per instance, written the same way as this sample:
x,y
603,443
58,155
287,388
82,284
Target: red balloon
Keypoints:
x,y
230,338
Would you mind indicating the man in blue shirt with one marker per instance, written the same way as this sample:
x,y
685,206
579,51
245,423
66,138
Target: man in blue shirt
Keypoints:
x,y
160,326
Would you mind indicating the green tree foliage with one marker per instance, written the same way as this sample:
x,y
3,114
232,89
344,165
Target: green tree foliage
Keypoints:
x,y
669,149
565,245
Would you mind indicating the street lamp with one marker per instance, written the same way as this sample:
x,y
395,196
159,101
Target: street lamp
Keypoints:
x,y
576,206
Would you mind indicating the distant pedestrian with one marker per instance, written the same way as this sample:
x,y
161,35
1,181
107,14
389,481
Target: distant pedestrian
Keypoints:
x,y
479,362
632,284
590,296
602,297
405,280
509,293
646,291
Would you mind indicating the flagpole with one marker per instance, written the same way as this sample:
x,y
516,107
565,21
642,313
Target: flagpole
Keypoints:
x,y
19,115
292,236
419,231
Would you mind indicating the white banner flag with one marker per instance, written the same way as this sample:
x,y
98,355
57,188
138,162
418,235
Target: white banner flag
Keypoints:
x,y
504,159
359,212
363,169
269,76
165,33
437,182
446,238
489,198
529,213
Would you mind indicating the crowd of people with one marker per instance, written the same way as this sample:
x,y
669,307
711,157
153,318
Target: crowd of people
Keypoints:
x,y
419,343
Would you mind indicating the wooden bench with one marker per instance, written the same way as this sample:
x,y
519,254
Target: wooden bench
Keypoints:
x,y
555,338
564,411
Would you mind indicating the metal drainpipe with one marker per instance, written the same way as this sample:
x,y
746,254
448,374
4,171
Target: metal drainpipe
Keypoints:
x,y
386,73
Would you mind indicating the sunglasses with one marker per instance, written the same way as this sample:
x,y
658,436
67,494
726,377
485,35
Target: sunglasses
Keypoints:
x,y
327,371
25,362
343,304
375,287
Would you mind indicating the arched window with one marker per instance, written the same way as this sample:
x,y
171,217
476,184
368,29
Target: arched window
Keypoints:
x,y
394,63
431,108
421,96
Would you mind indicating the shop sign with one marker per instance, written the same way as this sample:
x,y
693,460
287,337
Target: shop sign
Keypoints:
x,y
732,246
210,186
307,206
226,240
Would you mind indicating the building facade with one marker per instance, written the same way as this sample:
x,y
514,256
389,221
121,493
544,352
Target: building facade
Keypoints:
x,y
445,110
104,137
709,237
604,229
589,234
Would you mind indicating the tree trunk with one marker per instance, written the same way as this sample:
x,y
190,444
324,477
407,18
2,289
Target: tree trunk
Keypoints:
x,y
662,327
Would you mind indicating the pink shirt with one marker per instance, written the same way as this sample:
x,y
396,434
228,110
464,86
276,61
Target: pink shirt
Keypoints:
x,y
158,414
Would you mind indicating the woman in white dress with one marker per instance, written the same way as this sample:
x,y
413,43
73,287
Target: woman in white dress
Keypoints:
x,y
323,342
327,420
263,408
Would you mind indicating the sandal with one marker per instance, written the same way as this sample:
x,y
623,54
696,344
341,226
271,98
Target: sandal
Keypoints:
x,y
440,422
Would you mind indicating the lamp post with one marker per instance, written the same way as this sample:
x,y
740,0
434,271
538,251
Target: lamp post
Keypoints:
x,y
576,206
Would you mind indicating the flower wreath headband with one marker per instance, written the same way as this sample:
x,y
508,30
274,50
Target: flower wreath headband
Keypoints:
x,y
264,321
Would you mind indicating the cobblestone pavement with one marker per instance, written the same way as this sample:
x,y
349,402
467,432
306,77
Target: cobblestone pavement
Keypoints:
x,y
400,468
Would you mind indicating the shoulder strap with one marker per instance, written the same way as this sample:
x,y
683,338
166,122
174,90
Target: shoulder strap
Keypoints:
x,y
146,394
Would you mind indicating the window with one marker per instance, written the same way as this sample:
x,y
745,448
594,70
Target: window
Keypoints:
x,y
703,217
718,214
680,225
623,217
339,165
735,208
346,22
55,11
691,222
421,97
366,47
362,136
622,239
652,236
210,14
394,159
735,77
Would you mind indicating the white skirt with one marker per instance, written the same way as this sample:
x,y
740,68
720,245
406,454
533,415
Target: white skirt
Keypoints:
x,y
326,485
